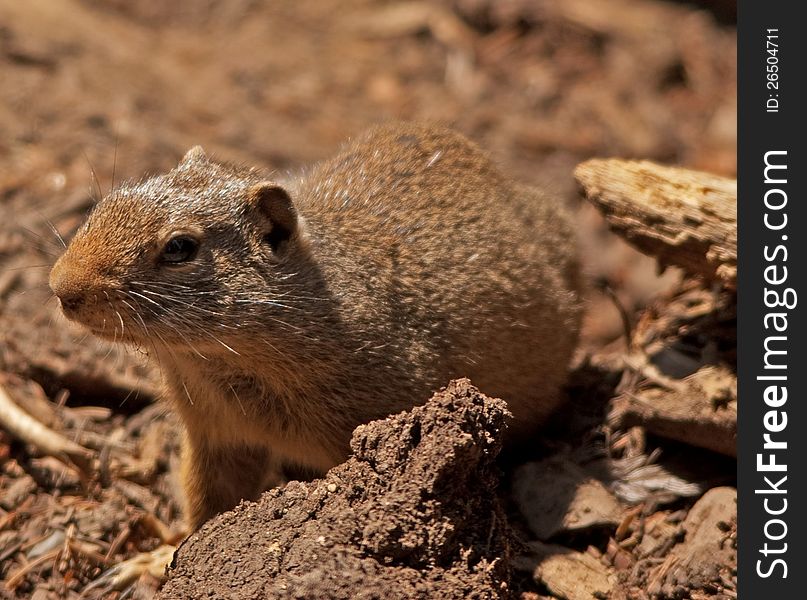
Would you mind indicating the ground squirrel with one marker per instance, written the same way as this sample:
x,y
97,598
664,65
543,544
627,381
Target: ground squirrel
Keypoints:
x,y
283,316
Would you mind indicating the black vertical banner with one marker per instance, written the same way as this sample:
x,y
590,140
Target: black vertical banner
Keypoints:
x,y
772,260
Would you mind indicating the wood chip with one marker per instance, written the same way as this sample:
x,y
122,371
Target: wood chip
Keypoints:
x,y
702,412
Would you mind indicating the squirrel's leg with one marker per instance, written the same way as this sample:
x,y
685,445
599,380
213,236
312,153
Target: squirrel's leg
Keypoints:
x,y
217,478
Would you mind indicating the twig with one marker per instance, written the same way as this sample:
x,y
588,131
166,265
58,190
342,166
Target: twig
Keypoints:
x,y
15,579
88,551
118,543
161,530
24,427
627,327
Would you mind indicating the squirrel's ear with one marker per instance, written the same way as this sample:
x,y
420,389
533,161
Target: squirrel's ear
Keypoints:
x,y
194,155
275,204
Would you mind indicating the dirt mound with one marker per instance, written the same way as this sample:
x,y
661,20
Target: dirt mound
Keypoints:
x,y
413,514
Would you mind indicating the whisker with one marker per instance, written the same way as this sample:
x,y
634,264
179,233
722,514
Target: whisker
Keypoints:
x,y
268,343
114,164
182,302
94,177
129,395
232,389
167,347
223,344
54,230
112,346
267,303
9,270
133,293
139,322
187,341
39,242
122,326
187,393
137,315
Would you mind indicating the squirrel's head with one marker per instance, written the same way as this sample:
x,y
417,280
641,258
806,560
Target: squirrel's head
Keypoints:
x,y
182,259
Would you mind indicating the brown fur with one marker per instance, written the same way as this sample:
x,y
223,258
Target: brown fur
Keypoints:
x,y
410,260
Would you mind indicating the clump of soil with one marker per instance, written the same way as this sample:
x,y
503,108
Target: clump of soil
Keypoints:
x,y
412,514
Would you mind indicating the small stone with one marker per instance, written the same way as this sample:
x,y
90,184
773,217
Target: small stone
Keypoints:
x,y
585,503
569,574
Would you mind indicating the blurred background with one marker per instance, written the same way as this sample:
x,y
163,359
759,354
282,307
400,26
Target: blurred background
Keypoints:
x,y
124,88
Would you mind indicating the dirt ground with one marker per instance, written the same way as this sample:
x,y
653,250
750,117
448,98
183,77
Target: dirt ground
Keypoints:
x,y
95,91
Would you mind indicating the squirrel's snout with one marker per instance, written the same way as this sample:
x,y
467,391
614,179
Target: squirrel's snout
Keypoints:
x,y
70,290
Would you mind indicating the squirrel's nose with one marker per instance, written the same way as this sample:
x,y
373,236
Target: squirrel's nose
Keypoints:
x,y
69,291
71,302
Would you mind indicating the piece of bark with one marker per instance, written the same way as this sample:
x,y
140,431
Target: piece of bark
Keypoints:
x,y
682,217
701,412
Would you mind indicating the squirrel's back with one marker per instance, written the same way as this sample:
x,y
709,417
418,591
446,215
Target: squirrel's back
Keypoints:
x,y
461,271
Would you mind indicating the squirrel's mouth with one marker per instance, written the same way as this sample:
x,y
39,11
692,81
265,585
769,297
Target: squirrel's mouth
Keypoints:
x,y
99,324
116,316
101,317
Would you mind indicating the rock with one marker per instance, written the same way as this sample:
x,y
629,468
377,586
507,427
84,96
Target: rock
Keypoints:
x,y
568,574
707,558
412,514
556,495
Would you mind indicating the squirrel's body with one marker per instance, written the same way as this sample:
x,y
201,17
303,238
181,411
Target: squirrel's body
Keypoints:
x,y
294,315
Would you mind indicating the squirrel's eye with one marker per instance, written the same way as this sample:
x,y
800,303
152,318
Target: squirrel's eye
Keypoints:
x,y
179,249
